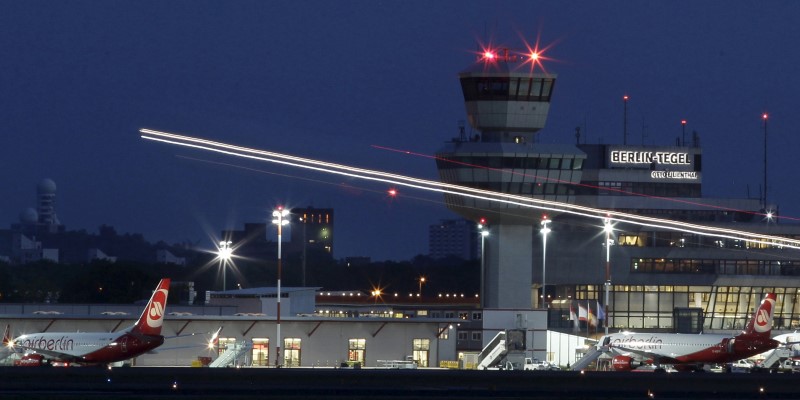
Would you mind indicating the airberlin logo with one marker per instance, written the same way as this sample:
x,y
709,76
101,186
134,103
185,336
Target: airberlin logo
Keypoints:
x,y
640,342
763,316
156,310
40,342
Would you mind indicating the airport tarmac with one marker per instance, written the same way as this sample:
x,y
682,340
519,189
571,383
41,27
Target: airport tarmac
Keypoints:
x,y
329,383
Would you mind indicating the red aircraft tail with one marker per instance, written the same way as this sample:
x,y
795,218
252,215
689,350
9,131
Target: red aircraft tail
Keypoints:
x,y
152,317
760,324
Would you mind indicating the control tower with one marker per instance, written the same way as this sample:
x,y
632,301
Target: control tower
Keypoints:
x,y
507,103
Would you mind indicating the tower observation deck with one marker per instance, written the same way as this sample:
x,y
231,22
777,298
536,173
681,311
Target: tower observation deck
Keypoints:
x,y
507,104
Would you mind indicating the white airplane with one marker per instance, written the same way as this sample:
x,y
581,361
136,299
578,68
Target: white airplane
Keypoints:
x,y
688,351
95,347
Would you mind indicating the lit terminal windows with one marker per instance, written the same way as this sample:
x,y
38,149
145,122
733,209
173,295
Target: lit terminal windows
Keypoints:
x,y
420,350
260,352
655,307
715,266
291,353
356,350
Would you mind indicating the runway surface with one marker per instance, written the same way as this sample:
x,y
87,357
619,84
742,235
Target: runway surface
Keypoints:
x,y
323,383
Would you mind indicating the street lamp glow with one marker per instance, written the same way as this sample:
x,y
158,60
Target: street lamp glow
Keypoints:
x,y
279,218
224,254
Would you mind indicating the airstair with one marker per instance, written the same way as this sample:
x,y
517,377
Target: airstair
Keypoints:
x,y
493,353
232,352
775,356
587,359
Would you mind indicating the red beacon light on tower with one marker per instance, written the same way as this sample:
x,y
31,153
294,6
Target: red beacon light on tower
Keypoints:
x,y
490,55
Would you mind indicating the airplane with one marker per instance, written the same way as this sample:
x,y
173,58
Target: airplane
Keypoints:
x,y
65,348
691,352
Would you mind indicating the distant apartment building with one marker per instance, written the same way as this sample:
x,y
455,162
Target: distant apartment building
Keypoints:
x,y
312,228
453,238
308,229
26,250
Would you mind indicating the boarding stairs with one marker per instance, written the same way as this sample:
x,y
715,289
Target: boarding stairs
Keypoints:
x,y
587,359
493,353
775,356
232,352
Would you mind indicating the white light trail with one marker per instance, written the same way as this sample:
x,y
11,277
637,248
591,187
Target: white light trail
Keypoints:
x,y
422,184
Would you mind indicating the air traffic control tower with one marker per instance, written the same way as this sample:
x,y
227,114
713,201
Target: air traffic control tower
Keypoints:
x,y
507,103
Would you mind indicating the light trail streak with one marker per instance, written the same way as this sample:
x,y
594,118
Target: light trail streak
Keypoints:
x,y
604,188
422,184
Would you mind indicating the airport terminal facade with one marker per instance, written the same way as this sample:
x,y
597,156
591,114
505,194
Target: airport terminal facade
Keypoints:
x,y
658,279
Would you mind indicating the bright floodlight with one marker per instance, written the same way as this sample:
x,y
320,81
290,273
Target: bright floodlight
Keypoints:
x,y
485,232
607,226
280,216
225,251
545,228
534,56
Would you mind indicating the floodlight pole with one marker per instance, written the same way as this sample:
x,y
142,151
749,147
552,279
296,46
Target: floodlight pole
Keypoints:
x,y
280,219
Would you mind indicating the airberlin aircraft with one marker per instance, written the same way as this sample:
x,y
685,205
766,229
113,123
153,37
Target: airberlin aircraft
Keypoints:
x,y
692,352
96,347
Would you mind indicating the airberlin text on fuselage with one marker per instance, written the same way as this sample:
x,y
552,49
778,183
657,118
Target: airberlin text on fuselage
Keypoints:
x,y
63,343
631,342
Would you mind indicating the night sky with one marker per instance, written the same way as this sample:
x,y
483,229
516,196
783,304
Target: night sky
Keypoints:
x,y
331,80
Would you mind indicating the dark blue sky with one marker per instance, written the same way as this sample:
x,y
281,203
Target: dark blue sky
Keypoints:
x,y
329,79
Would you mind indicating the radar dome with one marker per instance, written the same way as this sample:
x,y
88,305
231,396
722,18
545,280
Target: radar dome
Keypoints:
x,y
28,216
46,186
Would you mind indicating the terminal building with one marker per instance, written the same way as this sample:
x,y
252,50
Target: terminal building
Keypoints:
x,y
655,278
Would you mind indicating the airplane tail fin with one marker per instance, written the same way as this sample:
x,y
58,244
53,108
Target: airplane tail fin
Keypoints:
x,y
152,317
214,339
760,324
7,339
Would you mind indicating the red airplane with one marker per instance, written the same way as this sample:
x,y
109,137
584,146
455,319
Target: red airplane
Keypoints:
x,y
692,352
67,348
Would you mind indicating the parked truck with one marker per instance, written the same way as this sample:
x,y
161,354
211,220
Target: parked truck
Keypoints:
x,y
533,364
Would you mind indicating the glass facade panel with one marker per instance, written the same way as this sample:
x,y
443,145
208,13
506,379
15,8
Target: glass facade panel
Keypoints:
x,y
291,352
723,308
636,301
356,350
420,351
260,352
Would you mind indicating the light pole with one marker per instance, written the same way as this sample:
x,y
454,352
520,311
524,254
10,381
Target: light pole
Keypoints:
x,y
224,253
608,229
484,233
421,282
765,117
279,218
625,120
305,241
545,230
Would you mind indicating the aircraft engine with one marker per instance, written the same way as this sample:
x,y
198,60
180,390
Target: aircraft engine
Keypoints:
x,y
30,360
624,363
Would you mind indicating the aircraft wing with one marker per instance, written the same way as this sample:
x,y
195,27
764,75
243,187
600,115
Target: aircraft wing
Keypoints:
x,y
657,358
